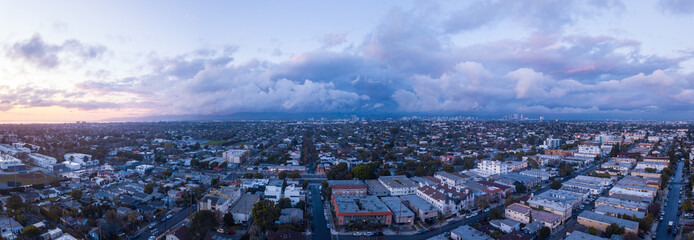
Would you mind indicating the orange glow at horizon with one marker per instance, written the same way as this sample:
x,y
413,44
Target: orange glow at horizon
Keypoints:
x,y
56,114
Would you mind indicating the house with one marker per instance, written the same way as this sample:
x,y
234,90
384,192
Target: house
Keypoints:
x,y
451,179
466,232
243,207
523,214
505,225
10,228
179,233
421,207
578,235
291,215
286,234
401,214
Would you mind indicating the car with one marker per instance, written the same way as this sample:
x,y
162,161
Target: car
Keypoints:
x,y
661,218
231,232
152,237
421,231
168,216
152,226
357,234
378,234
431,229
368,234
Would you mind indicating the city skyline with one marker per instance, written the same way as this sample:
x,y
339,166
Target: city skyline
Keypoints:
x,y
99,61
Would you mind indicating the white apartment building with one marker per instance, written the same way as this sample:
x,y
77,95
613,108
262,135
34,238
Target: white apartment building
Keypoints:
x,y
236,155
501,167
588,151
552,143
42,161
144,169
273,190
10,163
399,185
293,192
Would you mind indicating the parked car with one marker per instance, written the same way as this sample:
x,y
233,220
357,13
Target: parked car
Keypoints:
x,y
431,229
357,233
421,231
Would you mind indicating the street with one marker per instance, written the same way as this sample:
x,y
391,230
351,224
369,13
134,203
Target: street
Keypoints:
x,y
673,198
162,226
320,230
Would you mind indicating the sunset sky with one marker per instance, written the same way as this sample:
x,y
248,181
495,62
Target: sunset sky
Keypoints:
x,y
63,61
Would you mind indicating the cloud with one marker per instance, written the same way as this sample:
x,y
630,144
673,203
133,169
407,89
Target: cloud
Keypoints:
x,y
544,15
676,6
331,39
48,56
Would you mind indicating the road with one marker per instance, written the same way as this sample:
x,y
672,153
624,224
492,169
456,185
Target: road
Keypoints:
x,y
673,198
162,226
320,229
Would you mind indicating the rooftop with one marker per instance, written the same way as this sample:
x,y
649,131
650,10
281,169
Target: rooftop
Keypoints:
x,y
609,219
360,204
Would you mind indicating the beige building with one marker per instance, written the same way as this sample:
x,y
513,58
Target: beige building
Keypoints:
x,y
601,222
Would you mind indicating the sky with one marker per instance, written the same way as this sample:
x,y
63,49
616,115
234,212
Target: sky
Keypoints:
x,y
63,61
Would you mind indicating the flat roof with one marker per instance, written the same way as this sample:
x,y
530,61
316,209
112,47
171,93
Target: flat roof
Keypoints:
x,y
419,203
398,182
609,219
396,206
360,204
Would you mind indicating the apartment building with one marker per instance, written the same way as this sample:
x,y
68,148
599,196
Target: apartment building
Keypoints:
x,y
399,185
558,202
601,222
360,209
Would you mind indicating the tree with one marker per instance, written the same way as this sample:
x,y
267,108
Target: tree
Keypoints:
x,y
202,222
650,170
30,232
149,188
76,194
265,213
544,233
228,219
687,205
468,163
256,233
284,203
614,229
15,202
384,172
166,173
295,175
631,236
482,202
326,189
520,188
448,168
593,231
556,184
362,172
248,175
282,175
495,214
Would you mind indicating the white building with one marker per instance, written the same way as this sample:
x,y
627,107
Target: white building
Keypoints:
x,y
399,185
236,155
551,143
273,190
81,159
144,169
501,167
293,192
10,163
42,161
588,151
